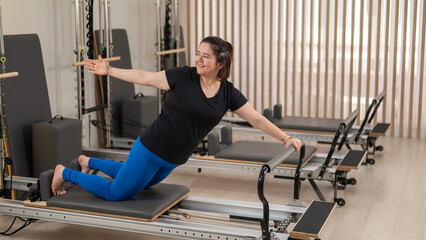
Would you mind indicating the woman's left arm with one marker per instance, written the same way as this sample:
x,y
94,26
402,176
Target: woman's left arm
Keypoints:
x,y
257,120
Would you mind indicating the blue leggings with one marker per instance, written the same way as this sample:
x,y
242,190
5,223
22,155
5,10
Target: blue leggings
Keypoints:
x,y
141,170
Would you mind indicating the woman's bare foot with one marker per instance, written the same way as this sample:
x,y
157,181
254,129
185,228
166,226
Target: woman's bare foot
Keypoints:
x,y
58,181
84,163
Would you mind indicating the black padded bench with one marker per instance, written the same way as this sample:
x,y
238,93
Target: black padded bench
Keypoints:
x,y
148,205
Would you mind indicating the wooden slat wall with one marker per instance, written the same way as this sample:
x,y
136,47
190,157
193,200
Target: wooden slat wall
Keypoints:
x,y
323,58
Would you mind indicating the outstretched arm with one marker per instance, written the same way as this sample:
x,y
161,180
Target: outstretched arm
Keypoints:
x,y
141,77
248,113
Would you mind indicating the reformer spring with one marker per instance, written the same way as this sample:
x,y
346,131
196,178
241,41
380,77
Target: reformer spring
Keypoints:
x,y
89,26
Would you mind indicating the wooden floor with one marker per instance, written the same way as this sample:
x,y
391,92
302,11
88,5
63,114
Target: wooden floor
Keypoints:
x,y
387,202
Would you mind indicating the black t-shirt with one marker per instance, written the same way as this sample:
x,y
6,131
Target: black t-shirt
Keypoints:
x,y
187,115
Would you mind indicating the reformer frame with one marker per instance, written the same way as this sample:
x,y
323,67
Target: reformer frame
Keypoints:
x,y
173,224
177,221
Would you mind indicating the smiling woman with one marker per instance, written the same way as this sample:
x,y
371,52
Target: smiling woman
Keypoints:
x,y
213,62
198,97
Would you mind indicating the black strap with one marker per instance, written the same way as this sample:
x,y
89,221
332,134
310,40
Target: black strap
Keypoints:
x,y
51,120
138,94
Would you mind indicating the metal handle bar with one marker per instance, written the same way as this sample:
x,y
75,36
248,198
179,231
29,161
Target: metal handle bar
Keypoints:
x,y
112,59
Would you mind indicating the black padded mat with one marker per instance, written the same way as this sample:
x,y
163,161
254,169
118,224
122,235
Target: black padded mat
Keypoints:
x,y
147,205
314,218
380,128
353,158
309,124
261,152
26,98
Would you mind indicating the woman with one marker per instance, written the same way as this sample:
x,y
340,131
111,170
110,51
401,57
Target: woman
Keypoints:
x,y
197,99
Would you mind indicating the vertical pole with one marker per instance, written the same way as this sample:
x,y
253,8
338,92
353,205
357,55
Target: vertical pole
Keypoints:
x,y
108,46
159,39
3,140
342,80
101,26
78,44
177,31
318,62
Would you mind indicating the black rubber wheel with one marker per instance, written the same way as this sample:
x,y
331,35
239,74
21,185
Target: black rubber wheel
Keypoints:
x,y
371,161
379,148
352,181
340,201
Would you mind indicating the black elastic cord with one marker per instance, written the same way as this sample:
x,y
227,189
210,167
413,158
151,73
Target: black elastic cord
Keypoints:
x,y
27,222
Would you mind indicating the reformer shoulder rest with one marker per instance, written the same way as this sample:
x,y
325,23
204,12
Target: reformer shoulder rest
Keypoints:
x,y
312,222
352,160
145,206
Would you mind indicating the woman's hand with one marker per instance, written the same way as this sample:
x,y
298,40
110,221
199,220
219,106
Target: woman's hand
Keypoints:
x,y
97,67
296,143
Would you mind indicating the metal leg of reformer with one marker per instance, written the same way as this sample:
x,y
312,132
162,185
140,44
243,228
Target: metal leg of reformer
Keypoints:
x,y
317,190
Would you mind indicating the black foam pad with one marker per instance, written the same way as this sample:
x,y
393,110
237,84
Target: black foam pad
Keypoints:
x,y
147,205
353,158
380,128
261,152
314,218
26,98
309,124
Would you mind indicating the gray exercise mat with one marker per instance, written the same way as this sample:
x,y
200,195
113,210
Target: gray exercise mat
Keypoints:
x,y
26,98
261,152
309,124
147,205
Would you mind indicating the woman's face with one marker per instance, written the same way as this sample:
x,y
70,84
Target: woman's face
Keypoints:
x,y
205,61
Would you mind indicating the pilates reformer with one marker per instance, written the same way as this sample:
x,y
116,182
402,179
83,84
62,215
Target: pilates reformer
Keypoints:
x,y
251,155
182,216
170,222
322,129
332,167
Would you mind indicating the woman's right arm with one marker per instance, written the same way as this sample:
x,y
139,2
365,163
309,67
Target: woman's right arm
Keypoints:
x,y
141,77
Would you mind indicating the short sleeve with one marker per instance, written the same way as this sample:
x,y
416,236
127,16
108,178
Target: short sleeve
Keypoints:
x,y
174,74
237,99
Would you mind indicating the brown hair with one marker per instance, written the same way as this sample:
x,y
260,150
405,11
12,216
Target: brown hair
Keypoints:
x,y
223,51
